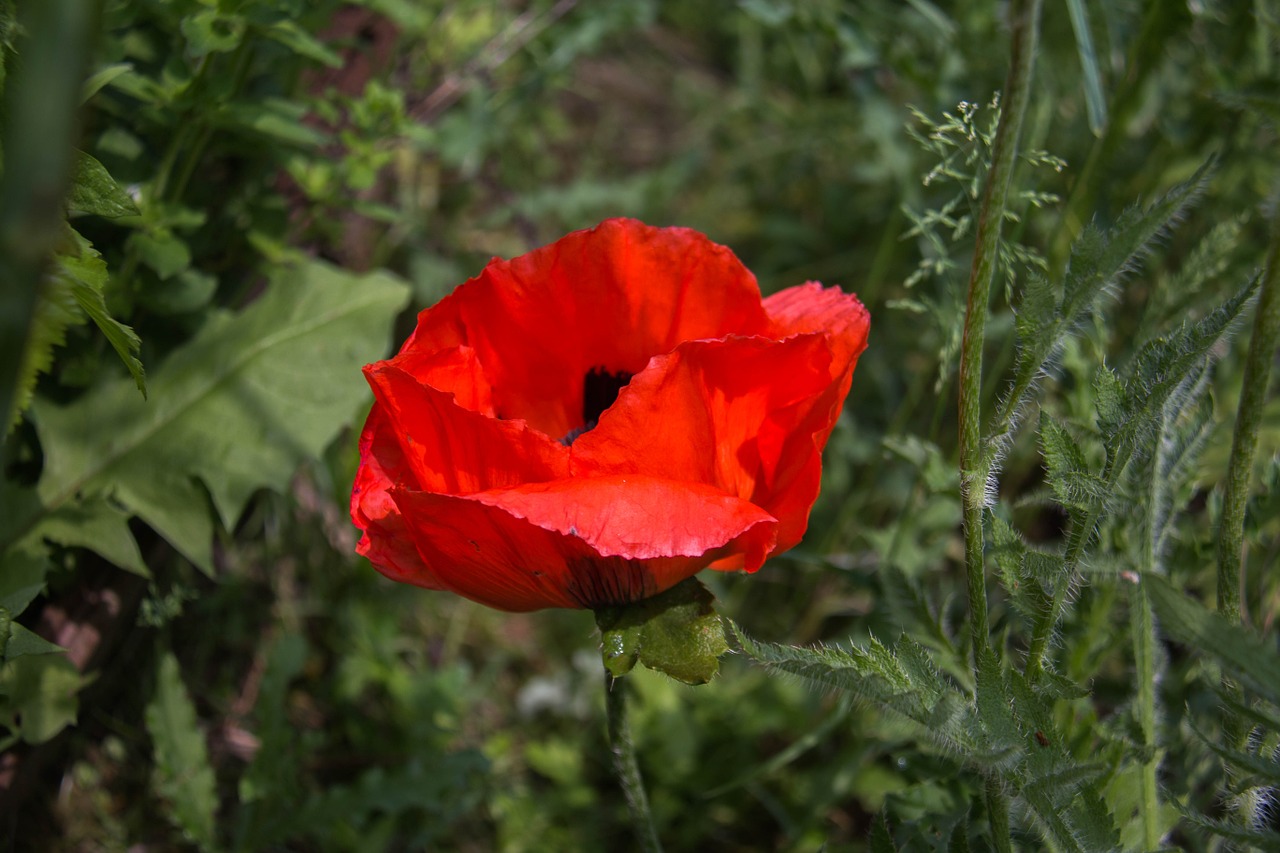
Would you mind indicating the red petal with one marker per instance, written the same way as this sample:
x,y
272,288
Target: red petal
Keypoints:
x,y
455,450
811,308
385,541
579,543
610,297
748,416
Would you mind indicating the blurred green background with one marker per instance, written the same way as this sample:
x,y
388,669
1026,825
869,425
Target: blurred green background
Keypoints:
x,y
276,693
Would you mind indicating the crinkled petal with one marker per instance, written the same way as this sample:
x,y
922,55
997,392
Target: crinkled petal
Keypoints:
x,y
385,540
579,543
455,450
811,308
739,414
611,297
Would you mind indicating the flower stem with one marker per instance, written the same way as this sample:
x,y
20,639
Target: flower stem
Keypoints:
x,y
625,765
1025,24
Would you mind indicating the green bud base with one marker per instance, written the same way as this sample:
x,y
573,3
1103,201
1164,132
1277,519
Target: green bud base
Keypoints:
x,y
677,632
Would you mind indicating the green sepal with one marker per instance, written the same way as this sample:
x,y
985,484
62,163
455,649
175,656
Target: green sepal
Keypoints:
x,y
676,632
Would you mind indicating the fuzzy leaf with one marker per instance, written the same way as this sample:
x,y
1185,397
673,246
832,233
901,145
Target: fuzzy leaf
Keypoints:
x,y
1255,663
238,408
183,776
1073,483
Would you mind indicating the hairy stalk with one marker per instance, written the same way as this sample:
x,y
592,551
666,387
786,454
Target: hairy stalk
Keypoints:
x,y
1082,528
1143,629
1244,445
998,817
1025,24
625,765
1024,19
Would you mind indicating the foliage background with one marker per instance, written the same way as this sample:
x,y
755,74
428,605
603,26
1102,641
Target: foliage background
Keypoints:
x,y
284,183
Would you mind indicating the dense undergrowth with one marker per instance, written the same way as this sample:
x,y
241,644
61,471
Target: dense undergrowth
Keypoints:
x,y
263,192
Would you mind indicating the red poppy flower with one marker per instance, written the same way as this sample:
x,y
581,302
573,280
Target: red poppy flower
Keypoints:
x,y
593,422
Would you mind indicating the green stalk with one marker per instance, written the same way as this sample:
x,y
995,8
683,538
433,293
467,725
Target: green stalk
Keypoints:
x,y
1244,444
998,817
1143,628
625,764
40,105
1025,25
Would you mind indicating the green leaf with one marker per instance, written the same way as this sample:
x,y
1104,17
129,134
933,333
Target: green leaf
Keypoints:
x,y
21,641
162,250
94,191
238,408
211,31
1167,370
87,274
1069,475
38,695
1095,100
98,525
1255,663
677,632
303,43
103,77
183,776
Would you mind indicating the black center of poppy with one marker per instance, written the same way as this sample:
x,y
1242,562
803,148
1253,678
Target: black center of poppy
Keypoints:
x,y
600,388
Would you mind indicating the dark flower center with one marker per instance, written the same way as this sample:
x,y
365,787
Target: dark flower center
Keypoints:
x,y
600,388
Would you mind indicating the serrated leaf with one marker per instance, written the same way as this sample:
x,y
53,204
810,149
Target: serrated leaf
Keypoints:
x,y
1069,475
87,273
237,409
1255,663
183,776
1167,369
94,191
98,525
1257,839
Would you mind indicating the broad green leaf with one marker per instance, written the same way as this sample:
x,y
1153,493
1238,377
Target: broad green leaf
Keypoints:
x,y
98,525
237,409
38,695
24,567
1254,663
183,776
94,191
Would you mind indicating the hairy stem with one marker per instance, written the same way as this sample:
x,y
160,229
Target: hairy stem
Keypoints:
x,y
1025,24
1244,445
625,765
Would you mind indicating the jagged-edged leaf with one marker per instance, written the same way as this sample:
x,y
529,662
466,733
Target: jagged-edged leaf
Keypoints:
x,y
881,840
183,775
1027,575
1167,369
98,525
1254,663
87,274
1098,260
1265,769
907,602
235,410
94,191
56,311
1256,839
1074,484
